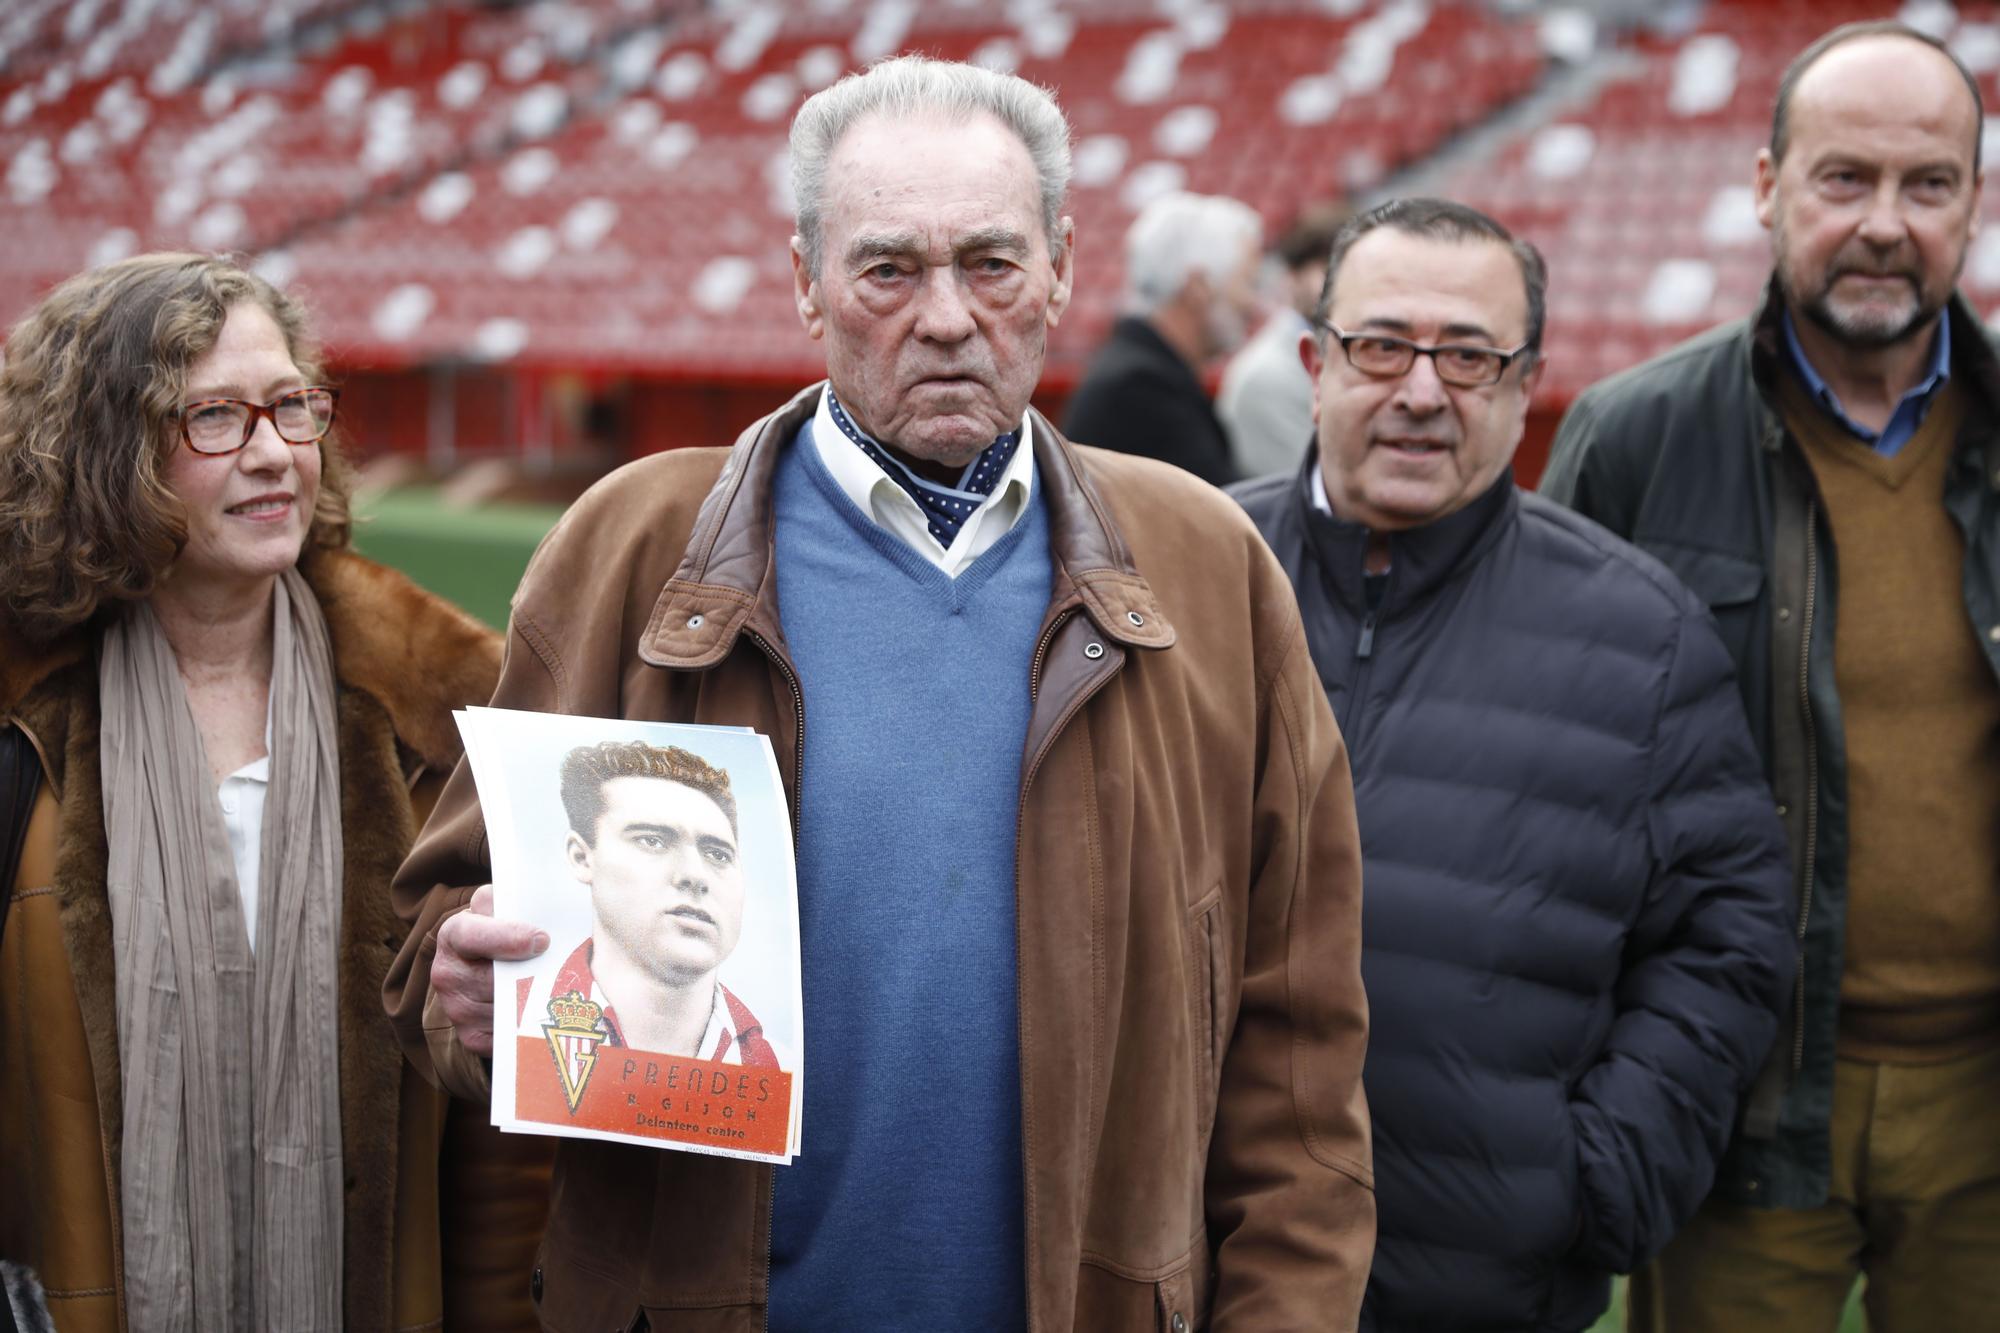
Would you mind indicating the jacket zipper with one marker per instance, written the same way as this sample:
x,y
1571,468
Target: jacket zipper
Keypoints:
x,y
1812,783
798,786
1042,652
1357,702
1020,824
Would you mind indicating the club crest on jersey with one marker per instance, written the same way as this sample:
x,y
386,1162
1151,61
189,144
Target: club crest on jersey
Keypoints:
x,y
573,1038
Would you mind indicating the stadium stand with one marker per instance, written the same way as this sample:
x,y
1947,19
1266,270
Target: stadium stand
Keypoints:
x,y
599,187
1641,195
650,232
501,211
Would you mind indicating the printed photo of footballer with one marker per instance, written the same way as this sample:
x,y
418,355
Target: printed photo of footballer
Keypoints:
x,y
658,860
653,838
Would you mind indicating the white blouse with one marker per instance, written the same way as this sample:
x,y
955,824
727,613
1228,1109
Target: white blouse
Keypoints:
x,y
242,796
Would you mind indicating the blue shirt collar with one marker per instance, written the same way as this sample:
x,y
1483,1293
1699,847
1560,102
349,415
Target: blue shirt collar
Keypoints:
x,y
1910,410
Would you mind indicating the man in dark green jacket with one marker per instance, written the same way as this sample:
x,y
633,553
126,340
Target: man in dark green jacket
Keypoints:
x,y
1847,439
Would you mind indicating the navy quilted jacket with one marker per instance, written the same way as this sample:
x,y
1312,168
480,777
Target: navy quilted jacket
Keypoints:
x,y
1576,914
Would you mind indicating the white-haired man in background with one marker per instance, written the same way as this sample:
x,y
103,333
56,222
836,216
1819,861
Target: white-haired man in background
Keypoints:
x,y
1190,299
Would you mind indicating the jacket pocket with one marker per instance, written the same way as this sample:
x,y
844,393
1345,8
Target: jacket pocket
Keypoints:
x,y
1114,1297
1731,586
1579,1198
1205,978
1719,579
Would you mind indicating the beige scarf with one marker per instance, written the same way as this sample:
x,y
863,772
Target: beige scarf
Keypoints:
x,y
231,1177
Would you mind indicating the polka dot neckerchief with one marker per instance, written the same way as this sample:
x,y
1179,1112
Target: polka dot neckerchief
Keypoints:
x,y
947,507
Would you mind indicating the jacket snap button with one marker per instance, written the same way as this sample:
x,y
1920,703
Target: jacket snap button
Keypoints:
x,y
1135,617
1994,634
1783,809
1180,1322
535,1284
694,622
1784,613
1093,651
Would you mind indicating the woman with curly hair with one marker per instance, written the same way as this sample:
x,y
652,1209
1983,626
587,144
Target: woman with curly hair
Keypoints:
x,y
204,1118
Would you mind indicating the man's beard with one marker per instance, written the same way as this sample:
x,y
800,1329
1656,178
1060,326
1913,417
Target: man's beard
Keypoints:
x,y
1867,326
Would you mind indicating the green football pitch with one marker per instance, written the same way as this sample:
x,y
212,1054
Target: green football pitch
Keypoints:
x,y
473,556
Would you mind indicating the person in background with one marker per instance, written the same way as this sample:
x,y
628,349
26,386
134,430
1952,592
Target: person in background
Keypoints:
x,y
1574,935
204,1122
1826,474
1190,300
1078,886
1265,403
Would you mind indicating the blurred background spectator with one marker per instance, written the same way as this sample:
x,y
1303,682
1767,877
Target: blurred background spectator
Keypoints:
x,y
1266,399
1190,300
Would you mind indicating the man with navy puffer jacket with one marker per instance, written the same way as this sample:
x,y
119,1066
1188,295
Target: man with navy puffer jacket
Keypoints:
x,y
1576,925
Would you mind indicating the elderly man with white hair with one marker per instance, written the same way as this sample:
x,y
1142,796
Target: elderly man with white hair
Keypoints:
x,y
1079,880
1190,299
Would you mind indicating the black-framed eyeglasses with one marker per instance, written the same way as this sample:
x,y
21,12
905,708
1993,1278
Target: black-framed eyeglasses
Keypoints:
x,y
224,425
1465,365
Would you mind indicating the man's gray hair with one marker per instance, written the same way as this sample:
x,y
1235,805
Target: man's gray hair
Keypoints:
x,y
1179,235
909,87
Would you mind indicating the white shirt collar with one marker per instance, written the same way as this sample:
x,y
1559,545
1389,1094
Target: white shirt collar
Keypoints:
x,y
864,482
1321,500
710,1045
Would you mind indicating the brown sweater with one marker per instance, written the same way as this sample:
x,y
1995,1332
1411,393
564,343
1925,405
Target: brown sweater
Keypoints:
x,y
1921,714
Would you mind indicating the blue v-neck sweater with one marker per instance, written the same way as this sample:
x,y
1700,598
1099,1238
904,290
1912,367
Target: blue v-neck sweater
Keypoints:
x,y
904,1209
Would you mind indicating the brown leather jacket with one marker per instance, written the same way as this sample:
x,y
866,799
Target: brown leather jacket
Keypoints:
x,y
1192,1021
442,1212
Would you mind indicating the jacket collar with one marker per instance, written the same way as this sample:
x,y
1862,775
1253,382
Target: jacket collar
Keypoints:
x,y
725,586
1421,559
24,664
1971,353
1766,344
